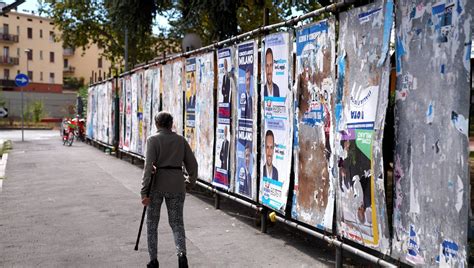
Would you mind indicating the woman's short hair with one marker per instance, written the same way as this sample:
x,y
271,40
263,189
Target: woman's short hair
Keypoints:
x,y
164,120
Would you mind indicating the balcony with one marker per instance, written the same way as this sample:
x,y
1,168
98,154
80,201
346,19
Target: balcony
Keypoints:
x,y
69,70
7,83
5,60
8,38
67,52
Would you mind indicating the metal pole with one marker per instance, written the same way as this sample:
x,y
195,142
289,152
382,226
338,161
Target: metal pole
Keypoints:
x,y
21,89
126,49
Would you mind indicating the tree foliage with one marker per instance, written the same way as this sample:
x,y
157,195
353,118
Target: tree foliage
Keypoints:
x,y
103,22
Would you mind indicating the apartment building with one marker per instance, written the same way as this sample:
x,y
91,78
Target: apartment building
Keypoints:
x,y
29,45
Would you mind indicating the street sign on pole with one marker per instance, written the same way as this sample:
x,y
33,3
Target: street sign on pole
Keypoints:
x,y
21,80
3,112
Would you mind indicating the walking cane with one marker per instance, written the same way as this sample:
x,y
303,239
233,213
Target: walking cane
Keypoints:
x,y
144,207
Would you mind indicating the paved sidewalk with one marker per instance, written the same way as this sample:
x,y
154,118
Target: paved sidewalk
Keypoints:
x,y
78,207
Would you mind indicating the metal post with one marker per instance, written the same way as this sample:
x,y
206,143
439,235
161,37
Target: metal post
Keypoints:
x,y
263,220
126,49
217,201
338,257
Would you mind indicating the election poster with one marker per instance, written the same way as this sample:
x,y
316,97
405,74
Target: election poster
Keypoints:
x,y
226,81
313,200
432,182
246,121
121,112
205,115
190,103
361,101
277,124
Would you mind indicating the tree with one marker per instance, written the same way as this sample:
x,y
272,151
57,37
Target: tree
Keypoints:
x,y
83,22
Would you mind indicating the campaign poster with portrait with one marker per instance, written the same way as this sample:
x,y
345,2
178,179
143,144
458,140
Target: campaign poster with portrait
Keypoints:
x,y
190,103
246,121
361,102
314,130
226,80
277,122
205,115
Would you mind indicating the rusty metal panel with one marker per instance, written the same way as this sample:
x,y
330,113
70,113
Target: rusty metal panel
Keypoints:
x,y
313,201
431,177
361,101
205,115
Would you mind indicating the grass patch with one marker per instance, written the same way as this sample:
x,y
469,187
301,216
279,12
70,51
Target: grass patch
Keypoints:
x,y
5,147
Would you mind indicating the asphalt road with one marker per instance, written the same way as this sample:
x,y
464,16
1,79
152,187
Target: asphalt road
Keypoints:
x,y
79,207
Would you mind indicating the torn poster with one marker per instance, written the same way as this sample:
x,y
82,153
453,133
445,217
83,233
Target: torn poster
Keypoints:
x,y
361,102
432,146
313,201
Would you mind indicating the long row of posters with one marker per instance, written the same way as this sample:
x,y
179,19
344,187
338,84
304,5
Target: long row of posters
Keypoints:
x,y
328,126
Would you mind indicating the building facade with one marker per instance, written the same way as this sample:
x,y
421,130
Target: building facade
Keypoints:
x,y
29,44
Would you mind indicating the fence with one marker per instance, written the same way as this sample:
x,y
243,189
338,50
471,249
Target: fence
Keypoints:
x,y
294,122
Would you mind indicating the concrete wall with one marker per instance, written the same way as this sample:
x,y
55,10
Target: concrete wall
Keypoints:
x,y
55,105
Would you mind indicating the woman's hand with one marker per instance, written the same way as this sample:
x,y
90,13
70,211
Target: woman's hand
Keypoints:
x,y
145,201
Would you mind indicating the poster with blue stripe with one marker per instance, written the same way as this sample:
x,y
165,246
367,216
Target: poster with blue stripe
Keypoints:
x,y
277,122
246,118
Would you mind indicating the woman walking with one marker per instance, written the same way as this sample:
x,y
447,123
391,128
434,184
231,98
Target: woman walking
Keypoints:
x,y
168,151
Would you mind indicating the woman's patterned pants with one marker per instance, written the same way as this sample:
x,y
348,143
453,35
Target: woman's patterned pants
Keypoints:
x,y
174,204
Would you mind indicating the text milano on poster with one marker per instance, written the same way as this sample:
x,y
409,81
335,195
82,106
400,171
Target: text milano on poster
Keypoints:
x,y
277,124
246,123
361,101
226,80
190,103
314,140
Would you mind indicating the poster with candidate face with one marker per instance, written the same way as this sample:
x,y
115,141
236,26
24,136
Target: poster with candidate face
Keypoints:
x,y
313,201
277,122
205,115
190,103
361,102
154,84
246,121
226,80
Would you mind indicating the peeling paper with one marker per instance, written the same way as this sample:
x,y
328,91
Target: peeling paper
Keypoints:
x,y
430,113
460,123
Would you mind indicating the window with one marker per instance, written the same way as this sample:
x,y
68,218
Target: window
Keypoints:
x,y
5,28
41,33
29,20
51,57
6,51
41,54
30,33
51,78
30,54
18,30
41,76
18,52
6,74
66,63
30,75
99,63
51,36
